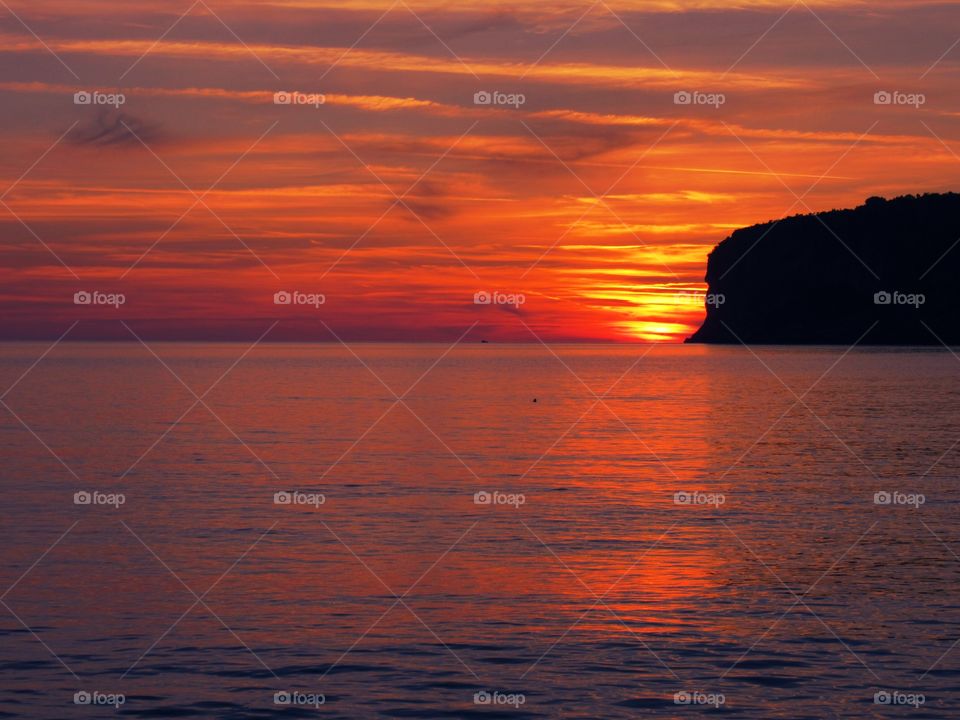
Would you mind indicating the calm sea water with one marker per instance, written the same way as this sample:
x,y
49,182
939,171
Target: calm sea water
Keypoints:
x,y
776,584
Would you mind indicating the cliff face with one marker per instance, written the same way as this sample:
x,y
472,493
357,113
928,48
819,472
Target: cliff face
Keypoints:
x,y
827,278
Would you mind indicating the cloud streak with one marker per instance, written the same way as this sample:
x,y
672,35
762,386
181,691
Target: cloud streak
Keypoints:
x,y
598,197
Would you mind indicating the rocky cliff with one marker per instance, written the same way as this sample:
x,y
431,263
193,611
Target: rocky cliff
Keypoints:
x,y
886,273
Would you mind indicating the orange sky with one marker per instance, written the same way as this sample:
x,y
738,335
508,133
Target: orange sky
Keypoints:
x,y
597,199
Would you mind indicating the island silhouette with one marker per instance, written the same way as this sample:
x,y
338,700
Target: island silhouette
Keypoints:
x,y
884,273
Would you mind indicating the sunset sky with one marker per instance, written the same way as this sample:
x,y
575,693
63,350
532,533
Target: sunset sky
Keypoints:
x,y
598,198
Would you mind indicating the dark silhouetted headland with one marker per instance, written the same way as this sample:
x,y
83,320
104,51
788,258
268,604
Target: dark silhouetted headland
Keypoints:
x,y
885,273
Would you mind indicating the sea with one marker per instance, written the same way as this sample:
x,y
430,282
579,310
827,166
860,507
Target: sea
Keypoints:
x,y
243,530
